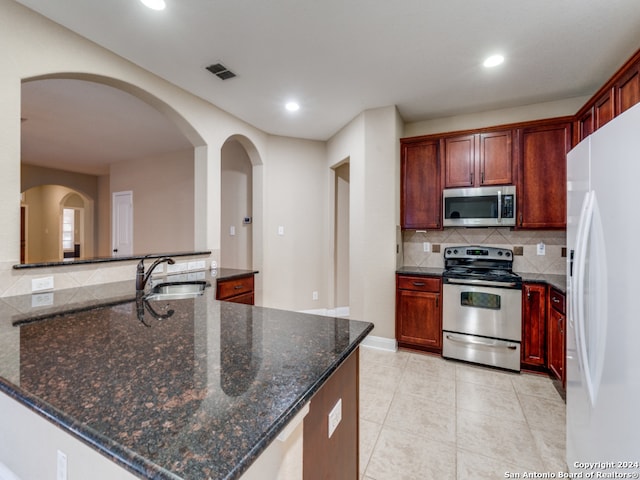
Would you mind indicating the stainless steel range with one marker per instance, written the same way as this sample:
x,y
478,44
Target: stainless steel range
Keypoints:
x,y
481,307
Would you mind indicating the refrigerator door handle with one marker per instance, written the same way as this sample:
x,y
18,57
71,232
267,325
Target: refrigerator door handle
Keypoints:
x,y
591,330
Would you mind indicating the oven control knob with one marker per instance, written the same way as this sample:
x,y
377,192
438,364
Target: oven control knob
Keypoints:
x,y
455,251
508,254
448,251
500,253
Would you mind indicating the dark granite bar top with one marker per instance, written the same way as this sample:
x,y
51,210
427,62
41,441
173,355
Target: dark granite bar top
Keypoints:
x,y
82,261
192,388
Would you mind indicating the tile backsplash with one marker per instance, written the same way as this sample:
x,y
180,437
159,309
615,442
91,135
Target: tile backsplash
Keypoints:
x,y
552,262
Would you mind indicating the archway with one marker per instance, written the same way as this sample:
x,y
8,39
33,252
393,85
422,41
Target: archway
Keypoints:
x,y
241,206
151,172
44,226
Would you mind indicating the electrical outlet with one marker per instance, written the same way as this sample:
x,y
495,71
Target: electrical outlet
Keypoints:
x,y
426,246
42,299
40,284
214,264
314,295
335,416
61,467
541,248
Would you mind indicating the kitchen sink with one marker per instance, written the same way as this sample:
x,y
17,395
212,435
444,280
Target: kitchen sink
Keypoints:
x,y
177,290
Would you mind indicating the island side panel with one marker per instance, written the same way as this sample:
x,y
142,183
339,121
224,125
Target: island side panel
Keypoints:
x,y
336,457
29,446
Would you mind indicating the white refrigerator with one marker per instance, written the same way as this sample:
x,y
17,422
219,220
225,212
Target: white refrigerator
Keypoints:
x,y
603,291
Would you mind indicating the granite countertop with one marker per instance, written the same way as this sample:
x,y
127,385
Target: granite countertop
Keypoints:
x,y
192,388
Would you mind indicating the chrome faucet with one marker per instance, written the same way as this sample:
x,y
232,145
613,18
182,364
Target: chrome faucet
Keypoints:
x,y
141,278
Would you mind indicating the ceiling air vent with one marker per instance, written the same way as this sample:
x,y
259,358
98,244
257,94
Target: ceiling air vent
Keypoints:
x,y
221,71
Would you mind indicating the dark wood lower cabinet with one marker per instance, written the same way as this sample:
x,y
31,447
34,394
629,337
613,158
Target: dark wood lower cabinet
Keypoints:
x,y
237,290
534,326
556,328
334,458
419,312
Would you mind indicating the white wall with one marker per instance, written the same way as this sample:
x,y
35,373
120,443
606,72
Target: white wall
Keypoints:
x,y
295,198
538,111
34,46
163,200
370,142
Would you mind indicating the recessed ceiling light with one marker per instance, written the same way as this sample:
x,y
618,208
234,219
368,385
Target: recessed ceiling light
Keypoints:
x,y
154,4
292,106
493,61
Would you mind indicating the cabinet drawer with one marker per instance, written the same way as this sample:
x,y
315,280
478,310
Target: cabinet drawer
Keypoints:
x,y
231,288
421,284
556,299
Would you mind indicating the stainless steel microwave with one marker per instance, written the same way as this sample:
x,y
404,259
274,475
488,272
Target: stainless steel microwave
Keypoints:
x,y
479,207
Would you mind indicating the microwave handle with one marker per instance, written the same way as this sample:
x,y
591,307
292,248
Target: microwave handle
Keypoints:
x,y
499,206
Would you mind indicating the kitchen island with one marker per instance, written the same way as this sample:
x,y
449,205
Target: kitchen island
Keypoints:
x,y
191,388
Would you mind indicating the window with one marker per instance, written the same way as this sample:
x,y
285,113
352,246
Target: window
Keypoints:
x,y
68,228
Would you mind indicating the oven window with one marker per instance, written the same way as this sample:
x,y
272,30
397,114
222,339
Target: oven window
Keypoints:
x,y
480,300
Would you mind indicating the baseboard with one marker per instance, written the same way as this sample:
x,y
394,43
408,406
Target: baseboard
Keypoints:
x,y
380,343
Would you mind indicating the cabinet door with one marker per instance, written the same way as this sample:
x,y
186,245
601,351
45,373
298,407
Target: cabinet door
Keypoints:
x,y
418,319
541,196
556,343
627,89
585,124
533,325
459,162
421,195
603,109
495,158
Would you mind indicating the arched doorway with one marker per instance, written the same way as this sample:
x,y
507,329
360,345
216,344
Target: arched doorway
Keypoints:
x,y
58,224
241,207
99,135
236,216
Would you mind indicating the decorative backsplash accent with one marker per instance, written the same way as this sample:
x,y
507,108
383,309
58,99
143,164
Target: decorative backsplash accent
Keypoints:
x,y
552,262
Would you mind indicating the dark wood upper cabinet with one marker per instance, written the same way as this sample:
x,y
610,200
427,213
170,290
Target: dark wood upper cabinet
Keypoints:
x,y
584,124
603,109
495,158
621,92
542,199
420,189
627,89
459,161
478,160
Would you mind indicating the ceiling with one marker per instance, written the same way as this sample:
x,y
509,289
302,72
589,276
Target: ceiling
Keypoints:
x,y
338,58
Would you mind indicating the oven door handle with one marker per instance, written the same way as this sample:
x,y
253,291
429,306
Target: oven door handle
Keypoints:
x,y
453,338
486,283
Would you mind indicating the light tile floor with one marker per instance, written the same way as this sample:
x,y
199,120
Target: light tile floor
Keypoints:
x,y
423,417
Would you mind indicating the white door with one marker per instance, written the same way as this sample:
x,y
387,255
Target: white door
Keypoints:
x,y
122,226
